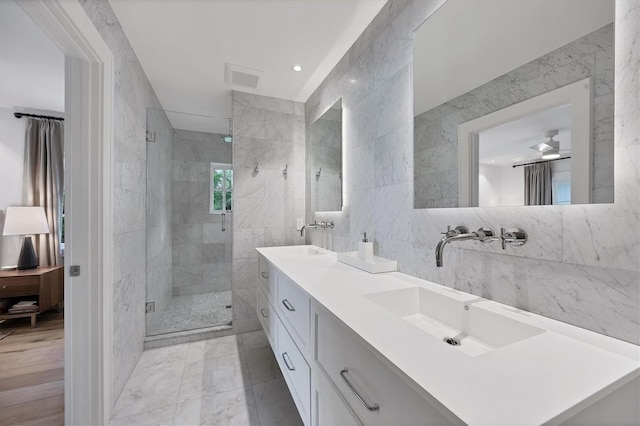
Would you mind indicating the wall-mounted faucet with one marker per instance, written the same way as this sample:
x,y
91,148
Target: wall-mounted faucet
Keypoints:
x,y
325,225
316,225
308,225
513,236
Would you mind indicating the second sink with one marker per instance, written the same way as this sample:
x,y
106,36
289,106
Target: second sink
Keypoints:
x,y
461,324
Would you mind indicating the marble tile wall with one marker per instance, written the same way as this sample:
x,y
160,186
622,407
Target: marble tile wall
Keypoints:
x,y
436,134
159,216
270,133
201,250
133,94
581,264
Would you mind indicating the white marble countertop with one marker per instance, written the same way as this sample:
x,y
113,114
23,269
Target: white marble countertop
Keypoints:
x,y
545,378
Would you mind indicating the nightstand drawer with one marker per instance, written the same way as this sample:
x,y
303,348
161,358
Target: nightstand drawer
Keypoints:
x,y
19,286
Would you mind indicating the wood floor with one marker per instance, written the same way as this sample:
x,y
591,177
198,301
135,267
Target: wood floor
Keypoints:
x,y
32,371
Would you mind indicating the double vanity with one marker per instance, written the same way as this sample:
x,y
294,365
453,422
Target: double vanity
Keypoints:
x,y
358,348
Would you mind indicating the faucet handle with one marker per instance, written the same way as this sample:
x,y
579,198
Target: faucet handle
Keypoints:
x,y
513,236
460,229
486,235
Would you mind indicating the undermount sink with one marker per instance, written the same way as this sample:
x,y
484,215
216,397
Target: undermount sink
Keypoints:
x,y
314,251
471,329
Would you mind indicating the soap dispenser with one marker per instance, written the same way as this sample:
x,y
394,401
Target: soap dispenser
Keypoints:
x,y
365,249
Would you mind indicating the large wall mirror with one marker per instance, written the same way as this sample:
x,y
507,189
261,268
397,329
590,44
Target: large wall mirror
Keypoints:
x,y
513,104
325,146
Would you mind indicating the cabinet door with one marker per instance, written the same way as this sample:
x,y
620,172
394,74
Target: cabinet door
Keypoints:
x,y
267,276
293,308
267,316
375,393
20,286
296,372
327,406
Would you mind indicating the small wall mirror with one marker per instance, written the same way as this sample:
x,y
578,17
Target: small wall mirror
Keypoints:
x,y
325,151
513,104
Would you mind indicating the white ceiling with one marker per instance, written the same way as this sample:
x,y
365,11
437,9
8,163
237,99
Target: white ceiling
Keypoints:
x,y
183,46
31,66
510,142
467,43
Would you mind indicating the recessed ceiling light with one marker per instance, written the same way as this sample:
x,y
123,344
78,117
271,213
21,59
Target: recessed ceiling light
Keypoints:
x,y
492,161
296,68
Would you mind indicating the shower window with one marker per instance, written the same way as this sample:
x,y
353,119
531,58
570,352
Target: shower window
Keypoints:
x,y
221,188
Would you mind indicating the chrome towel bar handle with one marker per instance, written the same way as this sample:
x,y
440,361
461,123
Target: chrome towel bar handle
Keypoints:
x,y
343,374
288,305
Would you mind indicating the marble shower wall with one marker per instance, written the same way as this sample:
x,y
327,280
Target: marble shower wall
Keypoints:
x,y
436,130
581,263
269,133
201,250
159,215
133,94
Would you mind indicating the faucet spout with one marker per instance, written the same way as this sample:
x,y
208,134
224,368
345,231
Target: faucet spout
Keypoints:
x,y
460,233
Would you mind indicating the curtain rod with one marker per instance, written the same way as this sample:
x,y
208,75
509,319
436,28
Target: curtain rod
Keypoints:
x,y
49,117
543,161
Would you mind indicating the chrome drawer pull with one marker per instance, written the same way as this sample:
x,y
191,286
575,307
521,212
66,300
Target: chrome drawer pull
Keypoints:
x,y
374,407
288,305
264,275
287,361
263,314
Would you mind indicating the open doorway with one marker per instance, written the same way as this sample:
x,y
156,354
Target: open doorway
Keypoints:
x,y
32,105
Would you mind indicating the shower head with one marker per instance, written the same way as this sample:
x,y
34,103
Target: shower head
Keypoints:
x,y
228,138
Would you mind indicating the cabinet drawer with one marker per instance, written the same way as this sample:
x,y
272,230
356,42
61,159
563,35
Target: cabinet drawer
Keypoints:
x,y
267,276
19,286
293,304
328,406
267,316
363,379
296,372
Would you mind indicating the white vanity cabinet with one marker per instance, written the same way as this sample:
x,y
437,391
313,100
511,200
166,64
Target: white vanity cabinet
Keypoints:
x,y
348,360
283,310
374,393
321,359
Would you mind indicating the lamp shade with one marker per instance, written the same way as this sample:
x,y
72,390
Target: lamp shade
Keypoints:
x,y
25,221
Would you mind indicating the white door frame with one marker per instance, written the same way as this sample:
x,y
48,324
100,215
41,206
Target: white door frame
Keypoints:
x,y
88,325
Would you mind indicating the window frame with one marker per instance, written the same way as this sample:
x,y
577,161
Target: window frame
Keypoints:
x,y
212,168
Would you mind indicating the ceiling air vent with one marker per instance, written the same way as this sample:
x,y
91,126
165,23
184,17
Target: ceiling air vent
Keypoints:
x,y
241,76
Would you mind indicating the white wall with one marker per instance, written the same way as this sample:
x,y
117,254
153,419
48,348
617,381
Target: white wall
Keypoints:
x,y
12,158
500,186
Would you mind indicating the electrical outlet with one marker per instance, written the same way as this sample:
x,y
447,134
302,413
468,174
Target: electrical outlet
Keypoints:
x,y
299,224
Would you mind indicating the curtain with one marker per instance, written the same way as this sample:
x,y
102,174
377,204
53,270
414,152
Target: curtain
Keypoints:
x,y
44,173
537,184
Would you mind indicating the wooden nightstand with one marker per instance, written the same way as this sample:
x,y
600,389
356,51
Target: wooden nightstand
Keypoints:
x,y
47,283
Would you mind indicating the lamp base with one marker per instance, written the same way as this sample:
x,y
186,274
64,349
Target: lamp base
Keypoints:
x,y
27,259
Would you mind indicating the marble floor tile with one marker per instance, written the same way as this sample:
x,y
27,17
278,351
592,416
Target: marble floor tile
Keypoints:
x,y
261,361
231,380
236,407
149,389
209,376
158,417
214,348
162,357
191,312
275,405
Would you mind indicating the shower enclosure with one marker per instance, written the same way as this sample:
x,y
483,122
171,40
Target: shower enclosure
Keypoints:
x,y
189,223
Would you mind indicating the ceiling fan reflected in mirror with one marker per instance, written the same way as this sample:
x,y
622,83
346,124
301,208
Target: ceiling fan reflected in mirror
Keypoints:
x,y
549,150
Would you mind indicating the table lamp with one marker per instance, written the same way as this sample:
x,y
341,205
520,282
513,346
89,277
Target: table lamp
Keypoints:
x,y
26,221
